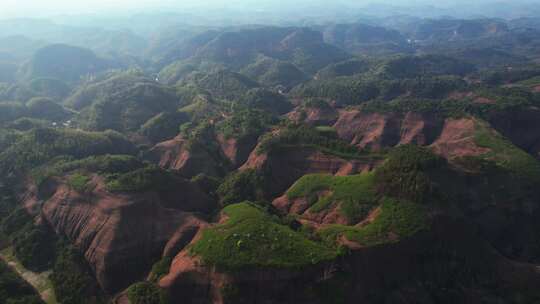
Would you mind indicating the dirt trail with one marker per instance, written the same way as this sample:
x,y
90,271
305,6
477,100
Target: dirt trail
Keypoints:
x,y
40,281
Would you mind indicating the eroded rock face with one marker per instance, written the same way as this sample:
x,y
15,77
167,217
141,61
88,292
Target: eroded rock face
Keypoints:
x,y
175,155
237,151
121,235
284,167
375,131
457,139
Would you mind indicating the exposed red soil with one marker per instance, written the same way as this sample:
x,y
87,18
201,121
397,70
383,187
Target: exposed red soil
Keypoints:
x,y
288,206
329,216
300,207
375,131
237,150
174,155
119,234
314,116
457,139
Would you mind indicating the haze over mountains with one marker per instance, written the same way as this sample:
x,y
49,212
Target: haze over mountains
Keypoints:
x,y
165,152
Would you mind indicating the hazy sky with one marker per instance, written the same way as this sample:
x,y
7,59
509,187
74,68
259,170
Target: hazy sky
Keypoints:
x,y
35,8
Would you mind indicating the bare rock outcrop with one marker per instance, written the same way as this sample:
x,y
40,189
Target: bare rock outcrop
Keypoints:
x,y
375,131
236,150
175,154
457,139
121,234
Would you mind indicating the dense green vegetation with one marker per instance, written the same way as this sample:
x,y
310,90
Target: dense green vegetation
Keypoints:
x,y
500,100
225,84
38,146
50,87
145,179
245,123
72,279
418,66
105,165
396,220
356,90
163,126
271,72
355,194
33,244
26,124
305,136
346,68
8,137
146,293
46,108
11,110
79,182
507,155
123,102
503,76
39,249
242,186
177,71
63,62
263,99
14,290
405,173
160,269
251,238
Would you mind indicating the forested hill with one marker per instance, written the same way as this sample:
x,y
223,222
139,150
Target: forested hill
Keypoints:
x,y
375,160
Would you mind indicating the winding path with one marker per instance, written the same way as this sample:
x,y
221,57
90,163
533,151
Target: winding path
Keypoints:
x,y
40,281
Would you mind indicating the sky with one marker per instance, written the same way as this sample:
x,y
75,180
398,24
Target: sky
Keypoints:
x,y
43,8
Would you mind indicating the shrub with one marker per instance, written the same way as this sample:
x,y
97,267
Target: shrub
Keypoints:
x,y
149,178
72,279
242,186
163,126
245,123
506,155
39,146
79,182
46,108
146,293
34,246
300,135
265,100
355,194
160,269
252,238
397,220
405,173
207,183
